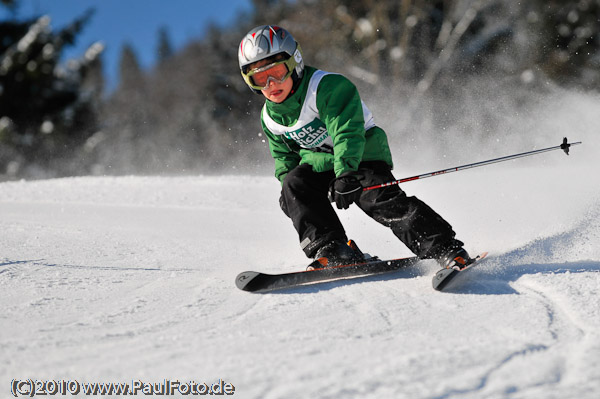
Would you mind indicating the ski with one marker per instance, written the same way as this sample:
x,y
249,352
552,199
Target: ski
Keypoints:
x,y
262,282
442,278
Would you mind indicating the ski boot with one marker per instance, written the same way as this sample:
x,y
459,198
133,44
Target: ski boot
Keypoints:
x,y
337,253
455,258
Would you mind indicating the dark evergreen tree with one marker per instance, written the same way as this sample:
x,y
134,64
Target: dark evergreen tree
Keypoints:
x,y
130,72
45,113
164,49
570,48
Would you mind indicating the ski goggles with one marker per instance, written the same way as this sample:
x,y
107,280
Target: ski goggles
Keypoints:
x,y
278,72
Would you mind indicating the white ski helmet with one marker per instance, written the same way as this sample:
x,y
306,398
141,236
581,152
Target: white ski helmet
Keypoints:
x,y
265,42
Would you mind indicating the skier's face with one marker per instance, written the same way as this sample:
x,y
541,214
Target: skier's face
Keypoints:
x,y
278,92
275,90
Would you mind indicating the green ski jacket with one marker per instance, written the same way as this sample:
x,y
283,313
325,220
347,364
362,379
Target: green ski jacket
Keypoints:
x,y
324,124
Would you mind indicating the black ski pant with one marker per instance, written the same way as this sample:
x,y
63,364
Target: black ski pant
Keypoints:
x,y
304,200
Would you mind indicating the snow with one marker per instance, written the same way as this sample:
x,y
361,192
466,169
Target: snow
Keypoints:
x,y
132,278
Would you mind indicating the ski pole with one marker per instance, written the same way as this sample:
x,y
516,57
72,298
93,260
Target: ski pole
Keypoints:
x,y
564,146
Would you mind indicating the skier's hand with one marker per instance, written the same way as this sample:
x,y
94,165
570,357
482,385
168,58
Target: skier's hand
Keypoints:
x,y
345,190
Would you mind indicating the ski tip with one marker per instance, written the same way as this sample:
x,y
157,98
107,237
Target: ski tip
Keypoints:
x,y
243,280
441,278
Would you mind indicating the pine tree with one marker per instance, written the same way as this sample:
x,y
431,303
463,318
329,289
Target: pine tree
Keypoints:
x,y
164,49
130,72
44,113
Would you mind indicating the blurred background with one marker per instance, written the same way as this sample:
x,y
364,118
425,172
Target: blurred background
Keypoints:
x,y
113,87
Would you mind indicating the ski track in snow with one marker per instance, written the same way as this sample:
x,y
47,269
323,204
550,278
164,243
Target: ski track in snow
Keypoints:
x,y
116,279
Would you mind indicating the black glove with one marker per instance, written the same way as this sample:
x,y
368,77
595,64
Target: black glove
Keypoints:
x,y
345,190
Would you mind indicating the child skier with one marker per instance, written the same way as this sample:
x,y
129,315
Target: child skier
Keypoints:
x,y
327,147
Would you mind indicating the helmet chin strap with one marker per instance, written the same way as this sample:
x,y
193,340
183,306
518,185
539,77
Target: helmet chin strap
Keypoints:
x,y
297,80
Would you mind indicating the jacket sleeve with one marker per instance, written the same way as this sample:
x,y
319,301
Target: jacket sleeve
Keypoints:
x,y
285,157
340,108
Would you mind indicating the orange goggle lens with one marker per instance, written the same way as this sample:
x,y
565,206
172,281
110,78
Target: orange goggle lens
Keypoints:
x,y
276,72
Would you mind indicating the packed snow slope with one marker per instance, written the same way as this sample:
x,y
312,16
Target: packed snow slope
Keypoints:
x,y
120,279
